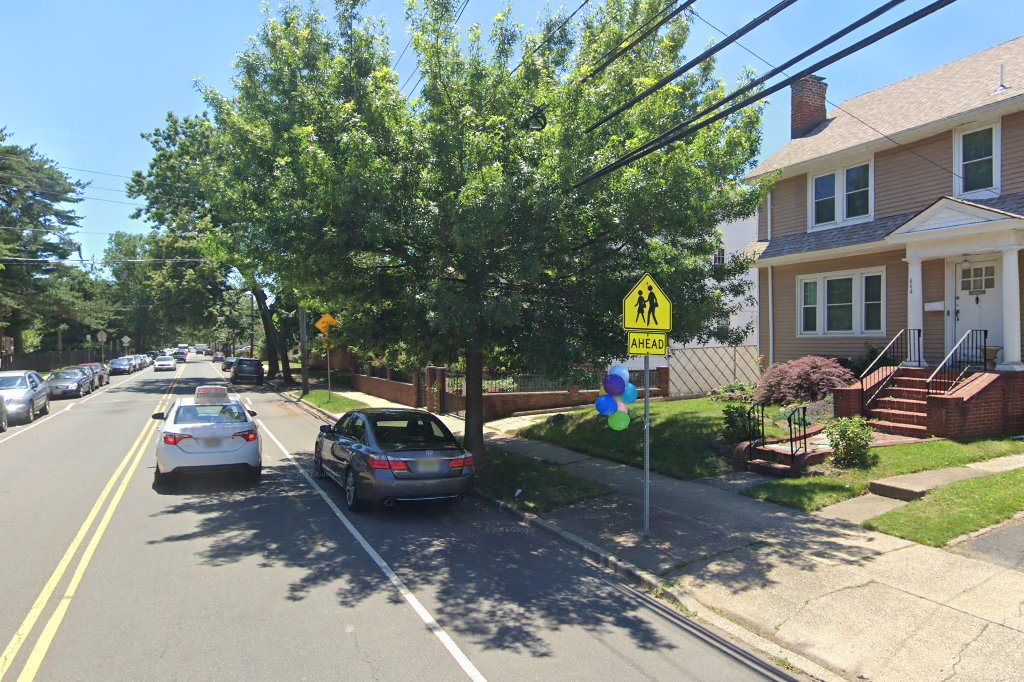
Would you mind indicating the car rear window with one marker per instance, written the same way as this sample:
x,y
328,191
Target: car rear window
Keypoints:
x,y
65,374
210,414
12,382
411,432
248,362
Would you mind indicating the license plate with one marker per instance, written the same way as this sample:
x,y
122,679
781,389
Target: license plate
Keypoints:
x,y
210,442
431,467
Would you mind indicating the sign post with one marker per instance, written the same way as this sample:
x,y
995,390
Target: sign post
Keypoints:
x,y
647,319
325,324
101,336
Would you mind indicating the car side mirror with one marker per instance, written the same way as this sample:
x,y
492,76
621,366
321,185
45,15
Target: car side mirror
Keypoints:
x,y
158,415
252,413
326,428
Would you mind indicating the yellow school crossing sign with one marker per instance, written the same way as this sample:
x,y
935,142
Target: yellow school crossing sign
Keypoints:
x,y
325,323
647,316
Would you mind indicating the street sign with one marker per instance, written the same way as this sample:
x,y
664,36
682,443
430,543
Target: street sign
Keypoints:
x,y
126,339
325,323
102,336
88,337
647,343
646,308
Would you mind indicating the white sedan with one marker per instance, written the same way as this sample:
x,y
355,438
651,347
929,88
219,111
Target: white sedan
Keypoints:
x,y
208,432
164,362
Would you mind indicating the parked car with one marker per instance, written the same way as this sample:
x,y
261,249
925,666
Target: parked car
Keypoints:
x,y
164,363
144,361
4,418
25,394
69,382
94,380
121,366
179,356
228,363
247,369
101,371
218,357
208,431
392,455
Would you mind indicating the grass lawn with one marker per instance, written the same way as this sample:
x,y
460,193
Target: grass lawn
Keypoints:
x,y
811,493
544,486
332,402
955,509
682,436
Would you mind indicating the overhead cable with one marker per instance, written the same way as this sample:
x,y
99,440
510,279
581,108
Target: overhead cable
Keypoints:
x,y
548,36
691,129
710,52
630,44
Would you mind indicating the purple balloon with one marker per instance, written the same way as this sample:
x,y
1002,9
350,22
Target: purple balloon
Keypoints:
x,y
606,405
614,385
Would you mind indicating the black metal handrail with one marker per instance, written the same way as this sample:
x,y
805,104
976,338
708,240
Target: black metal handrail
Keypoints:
x,y
970,351
904,348
755,427
797,419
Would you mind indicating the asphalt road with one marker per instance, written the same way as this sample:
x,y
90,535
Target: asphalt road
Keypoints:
x,y
106,577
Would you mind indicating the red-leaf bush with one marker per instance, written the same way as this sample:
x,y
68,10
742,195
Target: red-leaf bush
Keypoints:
x,y
805,379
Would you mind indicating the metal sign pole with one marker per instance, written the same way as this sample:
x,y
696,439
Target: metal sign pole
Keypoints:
x,y
647,447
327,347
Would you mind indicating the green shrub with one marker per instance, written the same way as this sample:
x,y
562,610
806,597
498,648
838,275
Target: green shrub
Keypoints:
x,y
737,427
736,391
850,439
799,419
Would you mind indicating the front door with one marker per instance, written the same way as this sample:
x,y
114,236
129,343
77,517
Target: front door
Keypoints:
x,y
978,300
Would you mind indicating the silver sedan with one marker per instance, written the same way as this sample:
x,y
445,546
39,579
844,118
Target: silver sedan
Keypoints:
x,y
392,455
25,394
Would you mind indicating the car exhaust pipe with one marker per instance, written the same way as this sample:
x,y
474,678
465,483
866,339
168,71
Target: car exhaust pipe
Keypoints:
x,y
389,503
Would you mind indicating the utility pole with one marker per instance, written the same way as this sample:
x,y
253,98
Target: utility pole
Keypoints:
x,y
252,324
303,350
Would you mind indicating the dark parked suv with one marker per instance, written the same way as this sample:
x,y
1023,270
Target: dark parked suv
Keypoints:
x,y
247,369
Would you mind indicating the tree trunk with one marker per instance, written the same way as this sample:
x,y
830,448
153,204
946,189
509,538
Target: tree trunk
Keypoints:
x,y
282,348
269,332
475,402
303,350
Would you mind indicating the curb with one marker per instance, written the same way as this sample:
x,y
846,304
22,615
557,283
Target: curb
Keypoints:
x,y
663,589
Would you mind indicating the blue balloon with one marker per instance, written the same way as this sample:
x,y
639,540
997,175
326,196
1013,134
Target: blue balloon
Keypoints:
x,y
629,394
620,371
606,406
614,385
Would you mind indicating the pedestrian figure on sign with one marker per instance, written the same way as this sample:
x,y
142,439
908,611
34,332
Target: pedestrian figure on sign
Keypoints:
x,y
652,305
641,307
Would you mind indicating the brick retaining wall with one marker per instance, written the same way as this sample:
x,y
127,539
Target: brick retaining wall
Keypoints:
x,y
396,392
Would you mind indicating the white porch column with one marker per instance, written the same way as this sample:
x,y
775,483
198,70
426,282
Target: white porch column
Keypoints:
x,y
1011,312
915,301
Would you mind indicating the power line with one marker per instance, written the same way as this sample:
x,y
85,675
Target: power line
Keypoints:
x,y
660,139
458,15
856,47
16,260
549,36
72,199
609,60
710,52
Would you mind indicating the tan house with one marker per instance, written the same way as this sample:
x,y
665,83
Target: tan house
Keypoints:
x,y
898,217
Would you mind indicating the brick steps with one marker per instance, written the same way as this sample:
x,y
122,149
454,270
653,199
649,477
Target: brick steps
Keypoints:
x,y
899,416
902,404
898,429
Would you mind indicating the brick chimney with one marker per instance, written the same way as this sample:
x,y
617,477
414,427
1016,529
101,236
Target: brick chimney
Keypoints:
x,y
807,106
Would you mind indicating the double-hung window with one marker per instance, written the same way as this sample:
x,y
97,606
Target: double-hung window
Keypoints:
x,y
719,257
841,196
841,303
978,161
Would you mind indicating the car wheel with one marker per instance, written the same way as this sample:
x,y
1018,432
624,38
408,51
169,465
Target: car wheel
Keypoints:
x,y
352,500
46,407
3,422
255,474
158,477
318,463
31,412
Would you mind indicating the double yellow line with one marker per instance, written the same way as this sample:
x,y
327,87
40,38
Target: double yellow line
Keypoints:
x,y
129,463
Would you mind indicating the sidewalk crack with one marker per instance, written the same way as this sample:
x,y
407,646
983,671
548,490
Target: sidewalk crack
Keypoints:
x,y
808,601
959,654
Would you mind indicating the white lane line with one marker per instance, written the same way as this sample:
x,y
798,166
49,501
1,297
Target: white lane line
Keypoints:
x,y
428,620
43,420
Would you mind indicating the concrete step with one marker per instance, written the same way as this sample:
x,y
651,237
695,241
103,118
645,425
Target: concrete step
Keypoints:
x,y
860,509
899,416
802,459
912,486
910,430
762,466
903,404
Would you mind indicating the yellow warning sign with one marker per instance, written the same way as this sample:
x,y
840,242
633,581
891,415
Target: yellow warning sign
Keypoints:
x,y
646,307
647,343
325,323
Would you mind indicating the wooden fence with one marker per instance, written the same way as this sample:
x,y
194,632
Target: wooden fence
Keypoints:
x,y
696,371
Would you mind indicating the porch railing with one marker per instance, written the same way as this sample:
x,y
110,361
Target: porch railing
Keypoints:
x,y
969,352
904,348
797,419
755,427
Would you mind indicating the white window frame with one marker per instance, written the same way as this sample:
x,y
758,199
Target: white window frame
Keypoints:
x,y
997,161
719,258
858,303
840,196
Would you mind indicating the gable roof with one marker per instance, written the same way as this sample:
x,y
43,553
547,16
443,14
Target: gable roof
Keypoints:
x,y
943,93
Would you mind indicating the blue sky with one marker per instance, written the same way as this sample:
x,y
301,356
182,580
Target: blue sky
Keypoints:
x,y
82,80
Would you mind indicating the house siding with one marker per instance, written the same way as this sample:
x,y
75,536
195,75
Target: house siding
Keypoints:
x,y
789,206
934,274
789,345
912,177
1013,153
764,346
762,221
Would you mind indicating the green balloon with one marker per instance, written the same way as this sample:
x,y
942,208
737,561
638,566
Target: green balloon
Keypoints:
x,y
618,421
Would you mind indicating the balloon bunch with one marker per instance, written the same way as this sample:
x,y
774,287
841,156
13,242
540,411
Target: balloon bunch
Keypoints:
x,y
617,393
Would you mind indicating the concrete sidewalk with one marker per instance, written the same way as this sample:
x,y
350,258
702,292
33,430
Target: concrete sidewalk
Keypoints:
x,y
864,604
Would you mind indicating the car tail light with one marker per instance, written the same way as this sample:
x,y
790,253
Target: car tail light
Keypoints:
x,y
249,436
461,462
175,438
384,463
